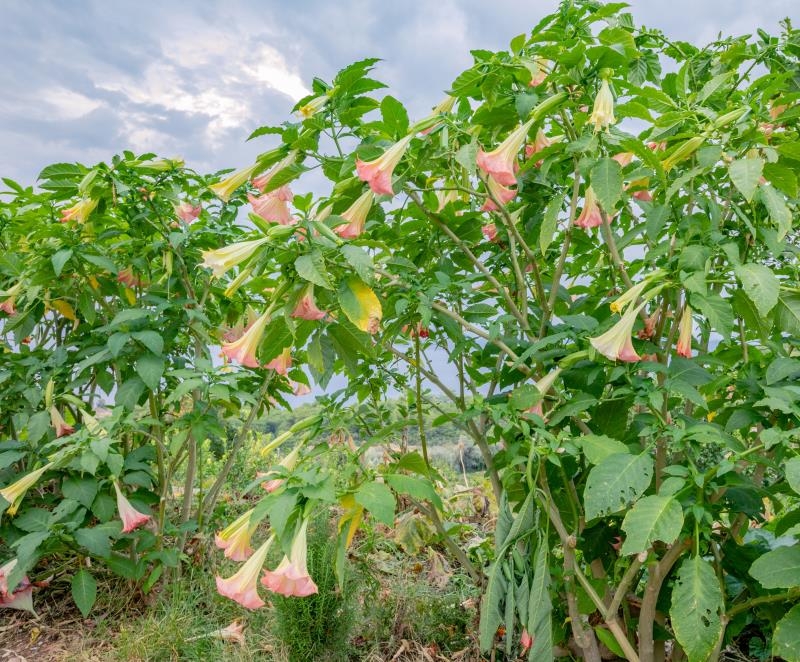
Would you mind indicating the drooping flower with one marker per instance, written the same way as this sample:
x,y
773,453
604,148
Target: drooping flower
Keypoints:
x,y
306,308
227,257
543,386
313,107
243,586
225,189
21,597
501,193
631,295
441,108
14,493
299,388
273,207
501,163
657,146
490,232
243,350
378,172
235,538
282,362
187,212
262,181
79,211
684,347
291,577
641,192
616,344
128,278
541,142
525,640
445,197
590,216
603,111
356,216
538,69
8,306
623,158
288,464
131,518
61,427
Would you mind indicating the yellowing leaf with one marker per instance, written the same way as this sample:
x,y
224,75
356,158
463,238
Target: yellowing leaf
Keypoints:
x,y
93,282
353,514
130,295
65,309
360,304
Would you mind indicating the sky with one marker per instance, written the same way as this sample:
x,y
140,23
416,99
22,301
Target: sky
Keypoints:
x,y
85,79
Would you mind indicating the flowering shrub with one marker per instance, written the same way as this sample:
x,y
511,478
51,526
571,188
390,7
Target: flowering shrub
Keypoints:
x,y
606,255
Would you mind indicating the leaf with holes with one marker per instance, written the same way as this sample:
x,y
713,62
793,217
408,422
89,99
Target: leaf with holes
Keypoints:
x,y
696,603
617,481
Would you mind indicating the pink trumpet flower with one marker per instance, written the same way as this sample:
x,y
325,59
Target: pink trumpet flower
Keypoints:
x,y
543,386
356,216
501,163
657,146
243,350
291,577
223,259
300,389
79,211
21,597
131,518
684,347
243,586
61,427
501,193
623,158
282,362
187,212
235,538
273,206
128,278
590,216
262,181
8,306
490,232
378,173
538,72
306,308
541,142
525,640
616,344
288,464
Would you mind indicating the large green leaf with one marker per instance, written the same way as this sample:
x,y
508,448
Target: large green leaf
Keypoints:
x,y
778,210
787,313
491,612
311,267
792,469
540,608
606,177
779,568
84,591
378,499
150,368
651,518
695,610
744,174
617,481
786,639
760,284
597,447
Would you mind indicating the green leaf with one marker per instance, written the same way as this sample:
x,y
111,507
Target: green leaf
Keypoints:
x,y
540,608
606,177
616,482
717,310
779,568
150,339
787,313
129,393
786,638
9,457
150,368
59,259
97,539
782,178
549,224
744,174
82,490
415,487
84,591
696,603
360,260
760,284
311,267
466,156
598,447
395,117
778,210
651,518
38,425
491,612
792,470
378,499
